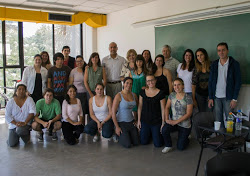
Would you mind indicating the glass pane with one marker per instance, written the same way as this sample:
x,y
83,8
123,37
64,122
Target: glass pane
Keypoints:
x,y
13,74
36,38
2,101
12,51
1,42
70,36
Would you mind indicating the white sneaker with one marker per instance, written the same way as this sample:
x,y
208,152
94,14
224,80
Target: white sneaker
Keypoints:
x,y
167,149
189,136
96,138
115,138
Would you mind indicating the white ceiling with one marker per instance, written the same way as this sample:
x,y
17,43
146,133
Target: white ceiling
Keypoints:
x,y
94,6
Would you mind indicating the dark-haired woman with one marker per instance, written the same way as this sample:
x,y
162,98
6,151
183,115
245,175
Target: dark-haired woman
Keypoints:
x,y
122,115
45,60
100,112
76,78
94,74
162,75
148,59
35,78
72,125
20,110
185,70
200,80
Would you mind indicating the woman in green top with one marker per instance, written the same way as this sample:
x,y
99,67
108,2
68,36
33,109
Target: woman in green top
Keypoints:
x,y
94,74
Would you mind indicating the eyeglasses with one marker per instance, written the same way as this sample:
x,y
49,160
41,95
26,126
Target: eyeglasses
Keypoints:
x,y
151,80
79,61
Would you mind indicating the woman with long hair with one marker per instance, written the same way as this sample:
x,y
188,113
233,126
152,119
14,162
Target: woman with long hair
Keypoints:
x,y
94,74
122,115
151,113
148,59
45,60
100,108
35,78
76,78
19,112
73,121
181,105
129,65
200,80
185,70
162,75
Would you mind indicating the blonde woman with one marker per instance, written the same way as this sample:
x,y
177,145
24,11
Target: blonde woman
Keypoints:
x,y
129,65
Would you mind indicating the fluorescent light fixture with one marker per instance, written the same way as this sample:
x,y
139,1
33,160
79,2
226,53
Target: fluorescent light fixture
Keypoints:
x,y
50,3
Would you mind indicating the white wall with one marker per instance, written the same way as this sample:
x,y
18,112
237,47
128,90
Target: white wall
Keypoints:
x,y
120,30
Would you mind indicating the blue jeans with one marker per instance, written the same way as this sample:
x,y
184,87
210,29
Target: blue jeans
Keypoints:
x,y
221,106
107,128
129,134
183,134
148,130
18,132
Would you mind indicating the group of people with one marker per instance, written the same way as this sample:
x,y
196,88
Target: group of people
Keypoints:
x,y
155,98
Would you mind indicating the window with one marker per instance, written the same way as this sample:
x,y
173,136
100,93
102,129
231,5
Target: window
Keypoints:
x,y
12,49
36,38
70,36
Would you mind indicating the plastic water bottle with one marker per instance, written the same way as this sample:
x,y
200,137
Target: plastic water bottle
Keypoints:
x,y
238,124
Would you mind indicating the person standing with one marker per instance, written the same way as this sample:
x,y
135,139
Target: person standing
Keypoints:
x,y
35,78
224,83
113,66
68,60
170,63
58,77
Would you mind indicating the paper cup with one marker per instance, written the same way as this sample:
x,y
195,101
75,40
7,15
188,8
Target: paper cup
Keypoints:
x,y
217,125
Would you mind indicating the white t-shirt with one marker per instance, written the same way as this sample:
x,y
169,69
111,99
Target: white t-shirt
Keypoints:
x,y
186,76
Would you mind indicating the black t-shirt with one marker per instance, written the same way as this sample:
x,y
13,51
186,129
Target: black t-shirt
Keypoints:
x,y
151,108
59,78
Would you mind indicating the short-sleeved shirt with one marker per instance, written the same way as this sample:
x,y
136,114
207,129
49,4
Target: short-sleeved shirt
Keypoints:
x,y
48,111
78,80
126,69
171,64
94,77
179,108
200,80
151,108
186,76
59,78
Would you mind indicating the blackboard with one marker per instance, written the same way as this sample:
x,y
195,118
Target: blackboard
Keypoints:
x,y
235,30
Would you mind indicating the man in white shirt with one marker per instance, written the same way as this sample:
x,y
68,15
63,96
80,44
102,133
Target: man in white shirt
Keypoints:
x,y
170,63
113,66
224,83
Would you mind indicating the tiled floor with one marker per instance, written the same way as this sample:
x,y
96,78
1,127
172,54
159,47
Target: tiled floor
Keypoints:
x,y
95,159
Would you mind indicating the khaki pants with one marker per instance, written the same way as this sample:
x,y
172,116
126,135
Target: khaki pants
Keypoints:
x,y
113,89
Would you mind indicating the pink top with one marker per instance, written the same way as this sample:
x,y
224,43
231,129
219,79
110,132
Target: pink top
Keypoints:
x,y
71,111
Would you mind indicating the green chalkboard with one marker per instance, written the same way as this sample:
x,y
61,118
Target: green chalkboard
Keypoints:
x,y
235,30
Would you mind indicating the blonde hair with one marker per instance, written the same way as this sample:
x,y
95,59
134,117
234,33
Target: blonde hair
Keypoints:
x,y
131,51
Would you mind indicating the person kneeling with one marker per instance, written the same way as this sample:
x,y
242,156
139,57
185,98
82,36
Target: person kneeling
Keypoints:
x,y
48,115
100,113
181,105
72,126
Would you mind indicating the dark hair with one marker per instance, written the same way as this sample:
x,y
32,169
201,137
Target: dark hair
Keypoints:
x,y
150,61
84,65
92,56
38,55
139,57
99,84
223,44
191,64
127,78
65,47
48,61
67,96
180,80
154,67
49,90
25,87
198,64
56,56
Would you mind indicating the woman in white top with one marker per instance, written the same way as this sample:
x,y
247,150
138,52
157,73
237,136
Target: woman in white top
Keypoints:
x,y
185,70
73,121
35,78
100,113
20,110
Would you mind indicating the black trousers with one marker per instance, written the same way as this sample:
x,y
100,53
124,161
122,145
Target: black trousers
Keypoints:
x,y
71,132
